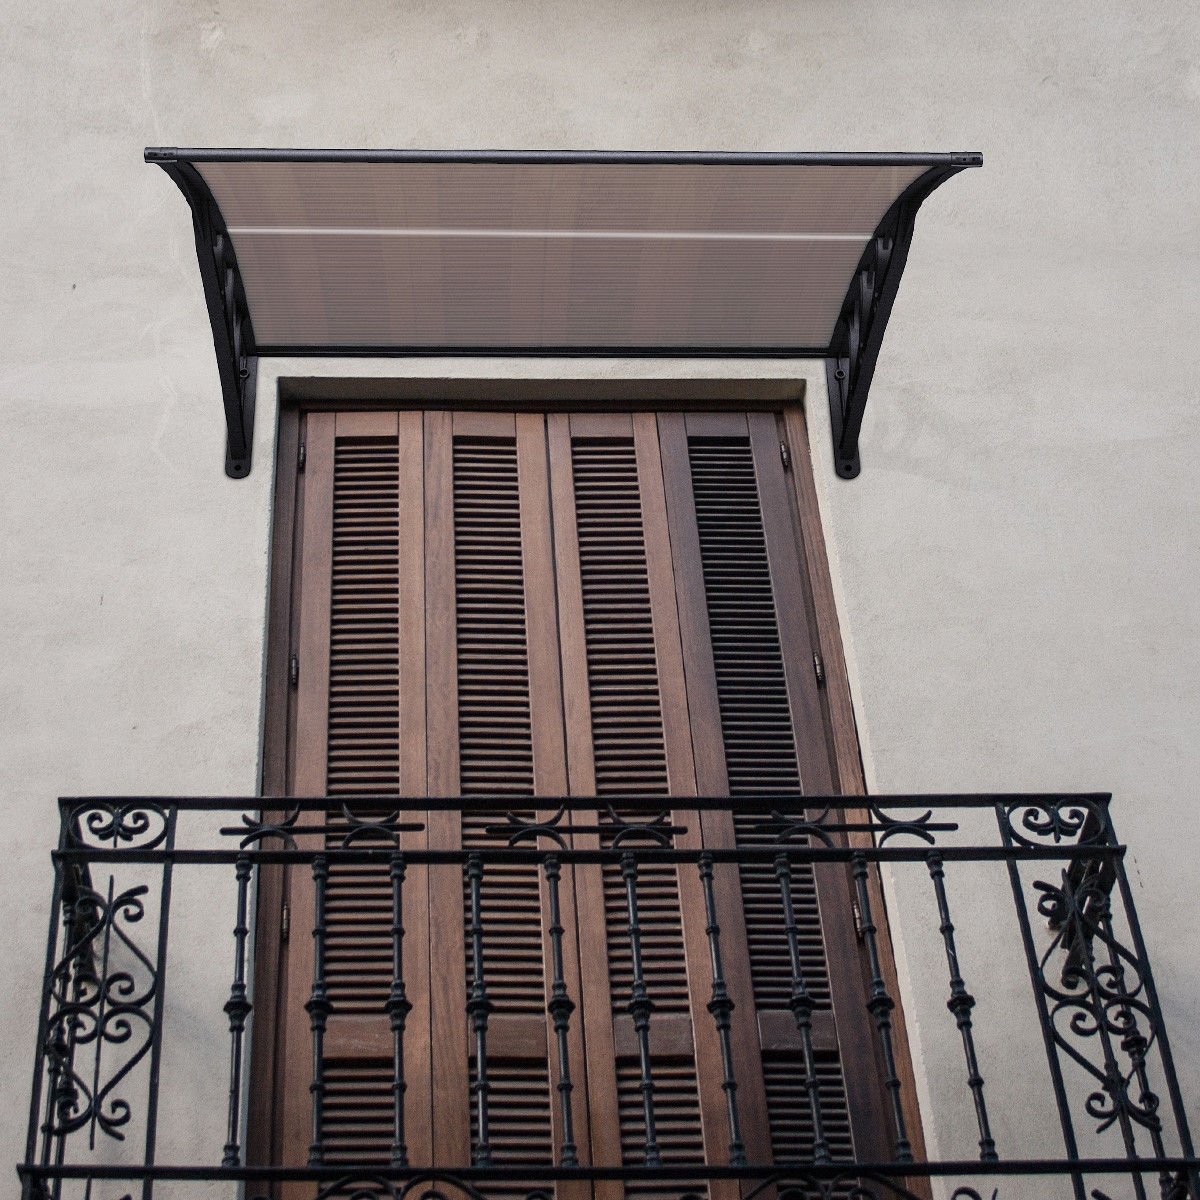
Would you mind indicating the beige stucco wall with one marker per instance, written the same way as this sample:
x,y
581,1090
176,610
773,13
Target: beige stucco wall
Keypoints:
x,y
1014,566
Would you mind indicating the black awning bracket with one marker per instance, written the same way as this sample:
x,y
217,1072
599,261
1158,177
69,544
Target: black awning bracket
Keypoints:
x,y
858,334
850,355
228,312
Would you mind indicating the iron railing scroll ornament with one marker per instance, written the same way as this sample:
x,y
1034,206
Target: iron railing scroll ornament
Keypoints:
x,y
1121,1117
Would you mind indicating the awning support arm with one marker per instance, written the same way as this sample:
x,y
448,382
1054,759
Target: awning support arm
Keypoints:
x,y
858,334
228,313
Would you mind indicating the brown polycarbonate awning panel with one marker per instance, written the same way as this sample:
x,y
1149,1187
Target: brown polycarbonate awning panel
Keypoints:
x,y
539,256
356,252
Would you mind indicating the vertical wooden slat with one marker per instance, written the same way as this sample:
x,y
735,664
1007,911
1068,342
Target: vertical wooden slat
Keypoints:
x,y
595,1019
448,988
269,970
847,757
791,607
413,780
550,752
312,720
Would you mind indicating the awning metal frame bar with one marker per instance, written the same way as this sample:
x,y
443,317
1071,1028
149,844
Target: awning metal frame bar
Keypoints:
x,y
850,357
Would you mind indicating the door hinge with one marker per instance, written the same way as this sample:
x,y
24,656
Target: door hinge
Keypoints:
x,y
785,455
819,669
285,922
301,456
858,921
294,671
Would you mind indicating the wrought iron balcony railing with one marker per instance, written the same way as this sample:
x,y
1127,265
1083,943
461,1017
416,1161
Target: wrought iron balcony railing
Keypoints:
x,y
144,1029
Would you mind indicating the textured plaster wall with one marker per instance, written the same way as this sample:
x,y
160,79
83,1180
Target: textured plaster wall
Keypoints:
x,y
1015,565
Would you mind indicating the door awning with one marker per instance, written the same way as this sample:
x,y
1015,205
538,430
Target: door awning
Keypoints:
x,y
383,253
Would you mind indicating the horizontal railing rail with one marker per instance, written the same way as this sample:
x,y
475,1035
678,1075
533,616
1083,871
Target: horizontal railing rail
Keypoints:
x,y
1105,1073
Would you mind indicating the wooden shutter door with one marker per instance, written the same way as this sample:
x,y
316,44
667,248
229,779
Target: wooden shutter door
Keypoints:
x,y
597,605
359,729
759,728
495,717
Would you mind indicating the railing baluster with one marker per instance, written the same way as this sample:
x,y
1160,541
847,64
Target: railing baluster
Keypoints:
x,y
801,1004
318,1008
961,1003
478,1009
640,1008
560,1008
237,1008
880,1005
721,1007
398,1007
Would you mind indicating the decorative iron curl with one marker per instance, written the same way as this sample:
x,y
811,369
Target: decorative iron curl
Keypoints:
x,y
848,1185
792,828
1073,822
352,828
384,827
518,829
131,825
258,830
656,828
424,1186
1098,998
919,827
96,1006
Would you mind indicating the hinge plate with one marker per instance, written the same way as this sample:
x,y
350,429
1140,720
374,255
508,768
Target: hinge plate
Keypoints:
x,y
819,668
785,456
301,456
285,922
294,670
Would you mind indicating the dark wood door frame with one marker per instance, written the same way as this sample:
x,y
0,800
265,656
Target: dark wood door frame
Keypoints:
x,y
300,395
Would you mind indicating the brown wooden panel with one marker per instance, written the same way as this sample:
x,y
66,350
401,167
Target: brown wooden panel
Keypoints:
x,y
550,756
670,1036
418,1054
448,1030
777,1032
847,759
312,704
381,423
791,607
601,425
269,978
595,1015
